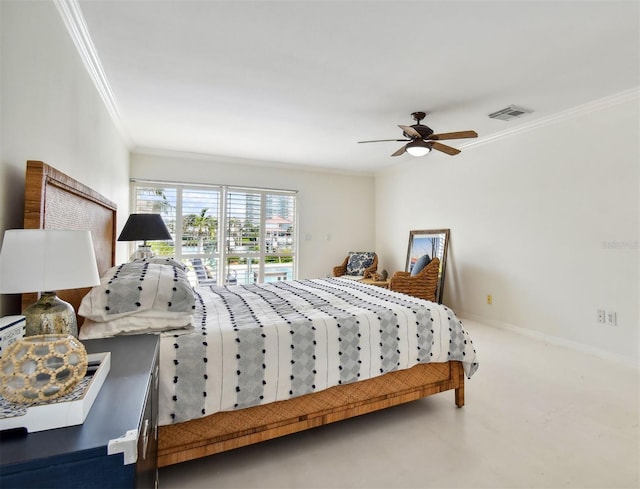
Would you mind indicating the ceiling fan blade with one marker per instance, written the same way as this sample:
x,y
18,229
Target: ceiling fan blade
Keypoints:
x,y
445,149
383,140
453,135
400,151
410,131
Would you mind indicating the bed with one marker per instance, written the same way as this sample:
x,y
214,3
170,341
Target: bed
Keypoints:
x,y
319,360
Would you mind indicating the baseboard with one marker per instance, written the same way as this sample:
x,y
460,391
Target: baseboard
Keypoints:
x,y
554,340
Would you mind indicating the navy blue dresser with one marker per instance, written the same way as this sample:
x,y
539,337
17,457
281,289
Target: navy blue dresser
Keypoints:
x,y
125,413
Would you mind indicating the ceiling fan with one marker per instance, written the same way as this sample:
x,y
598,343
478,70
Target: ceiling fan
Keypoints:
x,y
421,139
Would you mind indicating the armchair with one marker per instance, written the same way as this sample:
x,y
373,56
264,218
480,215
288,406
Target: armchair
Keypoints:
x,y
422,285
361,264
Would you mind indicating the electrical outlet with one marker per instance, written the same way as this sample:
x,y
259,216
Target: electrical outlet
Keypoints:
x,y
601,316
489,299
611,318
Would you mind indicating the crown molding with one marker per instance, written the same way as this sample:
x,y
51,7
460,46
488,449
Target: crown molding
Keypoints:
x,y
580,110
74,22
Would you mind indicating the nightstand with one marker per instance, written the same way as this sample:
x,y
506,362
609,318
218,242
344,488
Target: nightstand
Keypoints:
x,y
379,283
123,419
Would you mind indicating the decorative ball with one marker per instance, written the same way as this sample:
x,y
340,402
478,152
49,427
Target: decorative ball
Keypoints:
x,y
42,367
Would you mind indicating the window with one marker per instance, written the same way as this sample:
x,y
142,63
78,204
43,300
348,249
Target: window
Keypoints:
x,y
224,234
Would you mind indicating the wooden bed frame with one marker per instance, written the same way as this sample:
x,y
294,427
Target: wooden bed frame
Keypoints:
x,y
54,200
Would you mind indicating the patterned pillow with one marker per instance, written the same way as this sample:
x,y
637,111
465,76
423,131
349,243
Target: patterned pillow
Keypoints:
x,y
162,260
359,261
420,263
142,289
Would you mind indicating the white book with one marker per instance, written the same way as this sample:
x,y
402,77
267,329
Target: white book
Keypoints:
x,y
12,329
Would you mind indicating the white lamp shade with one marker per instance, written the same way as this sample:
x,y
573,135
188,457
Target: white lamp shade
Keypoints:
x,y
39,260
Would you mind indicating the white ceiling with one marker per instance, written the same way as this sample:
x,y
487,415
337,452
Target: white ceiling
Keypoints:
x,y
301,82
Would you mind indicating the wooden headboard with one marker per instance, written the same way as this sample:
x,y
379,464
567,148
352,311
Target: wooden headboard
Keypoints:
x,y
53,200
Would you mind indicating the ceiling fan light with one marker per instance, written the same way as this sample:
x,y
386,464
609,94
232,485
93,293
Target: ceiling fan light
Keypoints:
x,y
418,148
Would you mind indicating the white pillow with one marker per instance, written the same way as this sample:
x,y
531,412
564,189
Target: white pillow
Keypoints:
x,y
132,325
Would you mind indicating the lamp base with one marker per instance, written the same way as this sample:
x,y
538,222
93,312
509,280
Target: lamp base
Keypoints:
x,y
141,253
50,315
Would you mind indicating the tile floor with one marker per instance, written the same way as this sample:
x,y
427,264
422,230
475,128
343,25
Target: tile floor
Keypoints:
x,y
536,415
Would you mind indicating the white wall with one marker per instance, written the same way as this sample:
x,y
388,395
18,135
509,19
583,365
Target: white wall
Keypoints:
x,y
544,220
337,209
52,112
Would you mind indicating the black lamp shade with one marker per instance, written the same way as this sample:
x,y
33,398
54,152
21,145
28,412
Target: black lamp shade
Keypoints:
x,y
143,227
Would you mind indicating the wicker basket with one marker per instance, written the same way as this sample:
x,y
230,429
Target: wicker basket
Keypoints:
x,y
422,285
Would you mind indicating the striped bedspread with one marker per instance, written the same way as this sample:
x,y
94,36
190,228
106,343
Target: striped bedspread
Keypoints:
x,y
255,344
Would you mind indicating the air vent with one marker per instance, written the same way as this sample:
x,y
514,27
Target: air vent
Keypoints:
x,y
509,113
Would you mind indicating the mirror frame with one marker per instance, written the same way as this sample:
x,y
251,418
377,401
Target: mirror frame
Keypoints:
x,y
432,242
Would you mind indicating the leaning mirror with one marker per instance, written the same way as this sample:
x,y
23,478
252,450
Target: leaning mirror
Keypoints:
x,y
431,242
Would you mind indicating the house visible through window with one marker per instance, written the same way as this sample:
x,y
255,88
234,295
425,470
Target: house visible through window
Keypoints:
x,y
225,235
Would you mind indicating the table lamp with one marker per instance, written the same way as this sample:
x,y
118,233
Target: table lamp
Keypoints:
x,y
144,227
45,260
